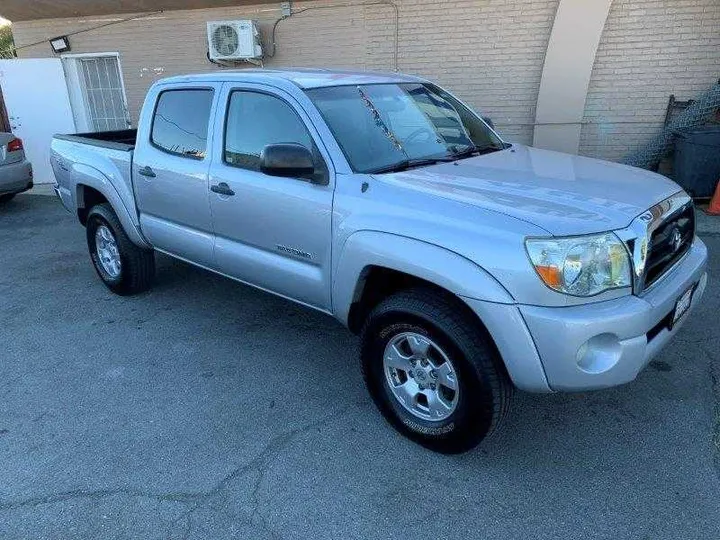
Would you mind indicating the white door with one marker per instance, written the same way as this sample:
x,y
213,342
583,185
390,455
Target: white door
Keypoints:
x,y
36,98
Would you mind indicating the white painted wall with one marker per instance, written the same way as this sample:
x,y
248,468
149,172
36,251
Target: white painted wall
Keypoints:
x,y
38,105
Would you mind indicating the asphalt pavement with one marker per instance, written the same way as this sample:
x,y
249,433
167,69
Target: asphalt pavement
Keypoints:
x,y
207,409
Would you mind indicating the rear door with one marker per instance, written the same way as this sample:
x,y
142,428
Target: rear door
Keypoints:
x,y
271,232
170,171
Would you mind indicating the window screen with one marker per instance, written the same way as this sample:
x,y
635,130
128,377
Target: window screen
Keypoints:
x,y
180,123
104,93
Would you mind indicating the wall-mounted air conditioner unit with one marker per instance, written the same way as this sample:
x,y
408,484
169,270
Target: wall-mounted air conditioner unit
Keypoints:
x,y
234,40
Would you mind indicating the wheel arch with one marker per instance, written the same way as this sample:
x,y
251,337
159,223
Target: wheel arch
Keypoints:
x,y
92,187
373,265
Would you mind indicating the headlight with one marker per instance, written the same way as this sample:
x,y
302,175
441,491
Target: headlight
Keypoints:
x,y
582,265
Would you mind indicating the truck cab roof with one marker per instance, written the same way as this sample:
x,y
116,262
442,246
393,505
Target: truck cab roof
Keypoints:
x,y
301,77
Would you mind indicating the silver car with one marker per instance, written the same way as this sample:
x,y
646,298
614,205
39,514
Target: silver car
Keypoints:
x,y
15,170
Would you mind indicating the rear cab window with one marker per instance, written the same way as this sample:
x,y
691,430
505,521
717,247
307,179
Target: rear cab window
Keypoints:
x,y
180,122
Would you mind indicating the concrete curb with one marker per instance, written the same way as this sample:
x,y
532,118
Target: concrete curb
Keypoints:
x,y
41,189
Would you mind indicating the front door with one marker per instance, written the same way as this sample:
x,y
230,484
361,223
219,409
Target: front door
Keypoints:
x,y
38,105
270,231
170,172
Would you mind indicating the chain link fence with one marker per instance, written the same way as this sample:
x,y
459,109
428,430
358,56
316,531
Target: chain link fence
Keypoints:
x,y
697,114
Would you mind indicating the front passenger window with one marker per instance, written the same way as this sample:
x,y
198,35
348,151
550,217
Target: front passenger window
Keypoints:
x,y
255,120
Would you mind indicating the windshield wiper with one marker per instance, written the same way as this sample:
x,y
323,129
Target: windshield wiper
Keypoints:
x,y
406,164
477,150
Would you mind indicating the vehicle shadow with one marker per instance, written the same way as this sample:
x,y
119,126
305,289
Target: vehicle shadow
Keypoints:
x,y
582,427
673,398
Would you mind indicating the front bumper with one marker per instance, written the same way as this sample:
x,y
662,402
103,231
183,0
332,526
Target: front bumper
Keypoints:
x,y
15,177
594,345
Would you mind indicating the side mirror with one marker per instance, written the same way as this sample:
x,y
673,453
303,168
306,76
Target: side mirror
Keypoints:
x,y
488,121
287,159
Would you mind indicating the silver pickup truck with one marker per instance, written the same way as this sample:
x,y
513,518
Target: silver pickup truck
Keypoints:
x,y
469,266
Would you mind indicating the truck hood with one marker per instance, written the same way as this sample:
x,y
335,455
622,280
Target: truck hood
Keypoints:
x,y
561,193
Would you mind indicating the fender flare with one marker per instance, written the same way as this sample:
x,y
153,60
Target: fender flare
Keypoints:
x,y
91,177
440,266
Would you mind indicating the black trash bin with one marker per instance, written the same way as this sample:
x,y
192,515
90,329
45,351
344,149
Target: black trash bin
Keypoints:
x,y
697,160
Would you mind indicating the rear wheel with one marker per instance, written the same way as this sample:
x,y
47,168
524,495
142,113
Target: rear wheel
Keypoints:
x,y
124,267
432,371
7,197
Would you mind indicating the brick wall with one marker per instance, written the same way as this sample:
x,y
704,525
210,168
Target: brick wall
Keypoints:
x,y
649,49
175,42
488,52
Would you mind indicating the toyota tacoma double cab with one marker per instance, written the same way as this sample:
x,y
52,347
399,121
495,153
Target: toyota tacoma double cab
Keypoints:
x,y
469,266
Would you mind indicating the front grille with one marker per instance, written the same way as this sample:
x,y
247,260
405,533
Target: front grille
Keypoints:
x,y
669,242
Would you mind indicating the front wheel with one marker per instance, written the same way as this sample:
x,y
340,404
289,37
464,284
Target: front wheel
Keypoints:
x,y
433,372
124,267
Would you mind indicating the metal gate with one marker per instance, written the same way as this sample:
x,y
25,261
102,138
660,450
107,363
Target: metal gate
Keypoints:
x,y
103,92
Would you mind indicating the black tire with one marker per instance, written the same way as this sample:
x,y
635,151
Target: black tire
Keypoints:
x,y
7,197
484,386
137,270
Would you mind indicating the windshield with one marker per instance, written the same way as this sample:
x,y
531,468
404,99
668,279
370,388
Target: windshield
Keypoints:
x,y
383,127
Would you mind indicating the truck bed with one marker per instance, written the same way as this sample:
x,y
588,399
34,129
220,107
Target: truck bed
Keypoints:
x,y
123,139
102,161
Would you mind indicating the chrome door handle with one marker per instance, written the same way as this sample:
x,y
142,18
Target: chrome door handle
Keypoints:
x,y
223,189
146,171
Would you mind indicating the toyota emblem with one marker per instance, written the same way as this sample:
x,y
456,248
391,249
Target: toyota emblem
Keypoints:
x,y
676,239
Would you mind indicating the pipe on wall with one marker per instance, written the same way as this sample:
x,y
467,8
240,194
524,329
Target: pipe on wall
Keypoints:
x,y
568,65
388,3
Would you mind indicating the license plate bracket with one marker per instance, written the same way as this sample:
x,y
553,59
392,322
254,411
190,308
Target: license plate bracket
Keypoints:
x,y
682,305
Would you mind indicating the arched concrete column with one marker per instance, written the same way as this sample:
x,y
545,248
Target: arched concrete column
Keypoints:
x,y
566,73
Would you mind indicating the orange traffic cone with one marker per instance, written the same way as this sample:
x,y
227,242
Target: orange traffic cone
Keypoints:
x,y
714,208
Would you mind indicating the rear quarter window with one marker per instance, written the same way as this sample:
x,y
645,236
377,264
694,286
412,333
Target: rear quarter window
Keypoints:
x,y
180,122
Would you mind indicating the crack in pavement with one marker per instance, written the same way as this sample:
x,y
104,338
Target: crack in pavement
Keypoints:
x,y
259,463
255,503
